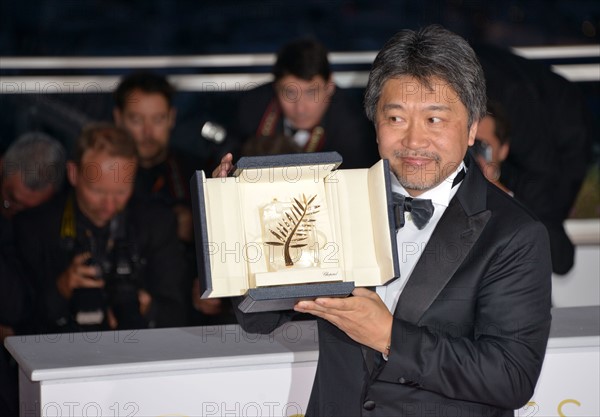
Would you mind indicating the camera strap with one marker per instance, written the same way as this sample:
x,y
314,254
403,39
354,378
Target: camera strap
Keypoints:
x,y
72,233
172,177
68,228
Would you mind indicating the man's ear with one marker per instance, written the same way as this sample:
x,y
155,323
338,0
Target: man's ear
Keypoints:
x,y
117,116
72,173
473,132
330,87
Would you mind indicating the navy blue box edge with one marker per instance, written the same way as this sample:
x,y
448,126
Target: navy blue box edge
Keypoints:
x,y
200,232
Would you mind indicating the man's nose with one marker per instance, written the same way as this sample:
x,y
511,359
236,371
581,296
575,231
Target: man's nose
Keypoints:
x,y
302,105
110,204
147,129
415,137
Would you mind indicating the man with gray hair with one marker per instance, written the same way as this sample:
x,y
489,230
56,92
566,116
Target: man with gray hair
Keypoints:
x,y
33,168
463,330
31,171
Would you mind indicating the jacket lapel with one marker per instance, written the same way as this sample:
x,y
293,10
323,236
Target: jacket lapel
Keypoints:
x,y
451,241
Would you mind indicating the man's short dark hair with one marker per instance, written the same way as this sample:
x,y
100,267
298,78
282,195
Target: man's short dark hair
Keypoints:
x,y
147,82
302,58
432,52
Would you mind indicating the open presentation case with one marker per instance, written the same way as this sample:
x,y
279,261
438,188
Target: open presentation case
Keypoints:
x,y
285,228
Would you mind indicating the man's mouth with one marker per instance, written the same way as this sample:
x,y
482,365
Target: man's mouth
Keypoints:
x,y
417,161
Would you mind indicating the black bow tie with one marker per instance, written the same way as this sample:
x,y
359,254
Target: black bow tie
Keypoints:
x,y
420,209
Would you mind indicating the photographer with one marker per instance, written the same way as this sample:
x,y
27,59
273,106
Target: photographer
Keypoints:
x,y
492,144
304,104
98,261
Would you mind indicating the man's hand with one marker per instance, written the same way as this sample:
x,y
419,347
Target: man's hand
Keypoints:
x,y
224,167
78,275
144,299
363,317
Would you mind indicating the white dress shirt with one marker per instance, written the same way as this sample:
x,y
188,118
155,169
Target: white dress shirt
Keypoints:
x,y
300,136
412,241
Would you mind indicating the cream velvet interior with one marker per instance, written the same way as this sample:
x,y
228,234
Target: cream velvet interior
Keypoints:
x,y
351,234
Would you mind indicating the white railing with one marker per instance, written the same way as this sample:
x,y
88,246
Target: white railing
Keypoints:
x,y
46,84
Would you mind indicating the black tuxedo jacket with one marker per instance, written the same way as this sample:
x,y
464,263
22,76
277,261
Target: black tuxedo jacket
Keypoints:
x,y
470,329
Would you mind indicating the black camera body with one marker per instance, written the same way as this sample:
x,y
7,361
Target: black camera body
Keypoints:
x,y
118,263
482,149
120,271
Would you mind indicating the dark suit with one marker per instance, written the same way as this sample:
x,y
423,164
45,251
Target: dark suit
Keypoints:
x,y
550,141
347,130
470,330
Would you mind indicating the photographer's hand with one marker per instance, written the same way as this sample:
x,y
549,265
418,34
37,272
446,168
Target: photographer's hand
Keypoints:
x,y
145,300
224,167
78,275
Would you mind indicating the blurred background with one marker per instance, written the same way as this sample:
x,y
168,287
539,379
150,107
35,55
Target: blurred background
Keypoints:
x,y
181,27
60,59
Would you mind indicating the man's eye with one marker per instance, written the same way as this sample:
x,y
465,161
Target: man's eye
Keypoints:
x,y
434,120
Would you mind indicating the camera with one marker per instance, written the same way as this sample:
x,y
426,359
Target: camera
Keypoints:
x,y
482,149
119,269
122,286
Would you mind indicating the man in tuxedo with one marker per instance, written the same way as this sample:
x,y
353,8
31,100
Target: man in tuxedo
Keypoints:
x,y
463,331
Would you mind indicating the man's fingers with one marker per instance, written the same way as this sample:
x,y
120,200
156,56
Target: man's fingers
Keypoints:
x,y
90,282
224,167
330,306
311,307
341,304
81,258
363,292
89,271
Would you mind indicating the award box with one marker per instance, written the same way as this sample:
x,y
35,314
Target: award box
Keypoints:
x,y
284,228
